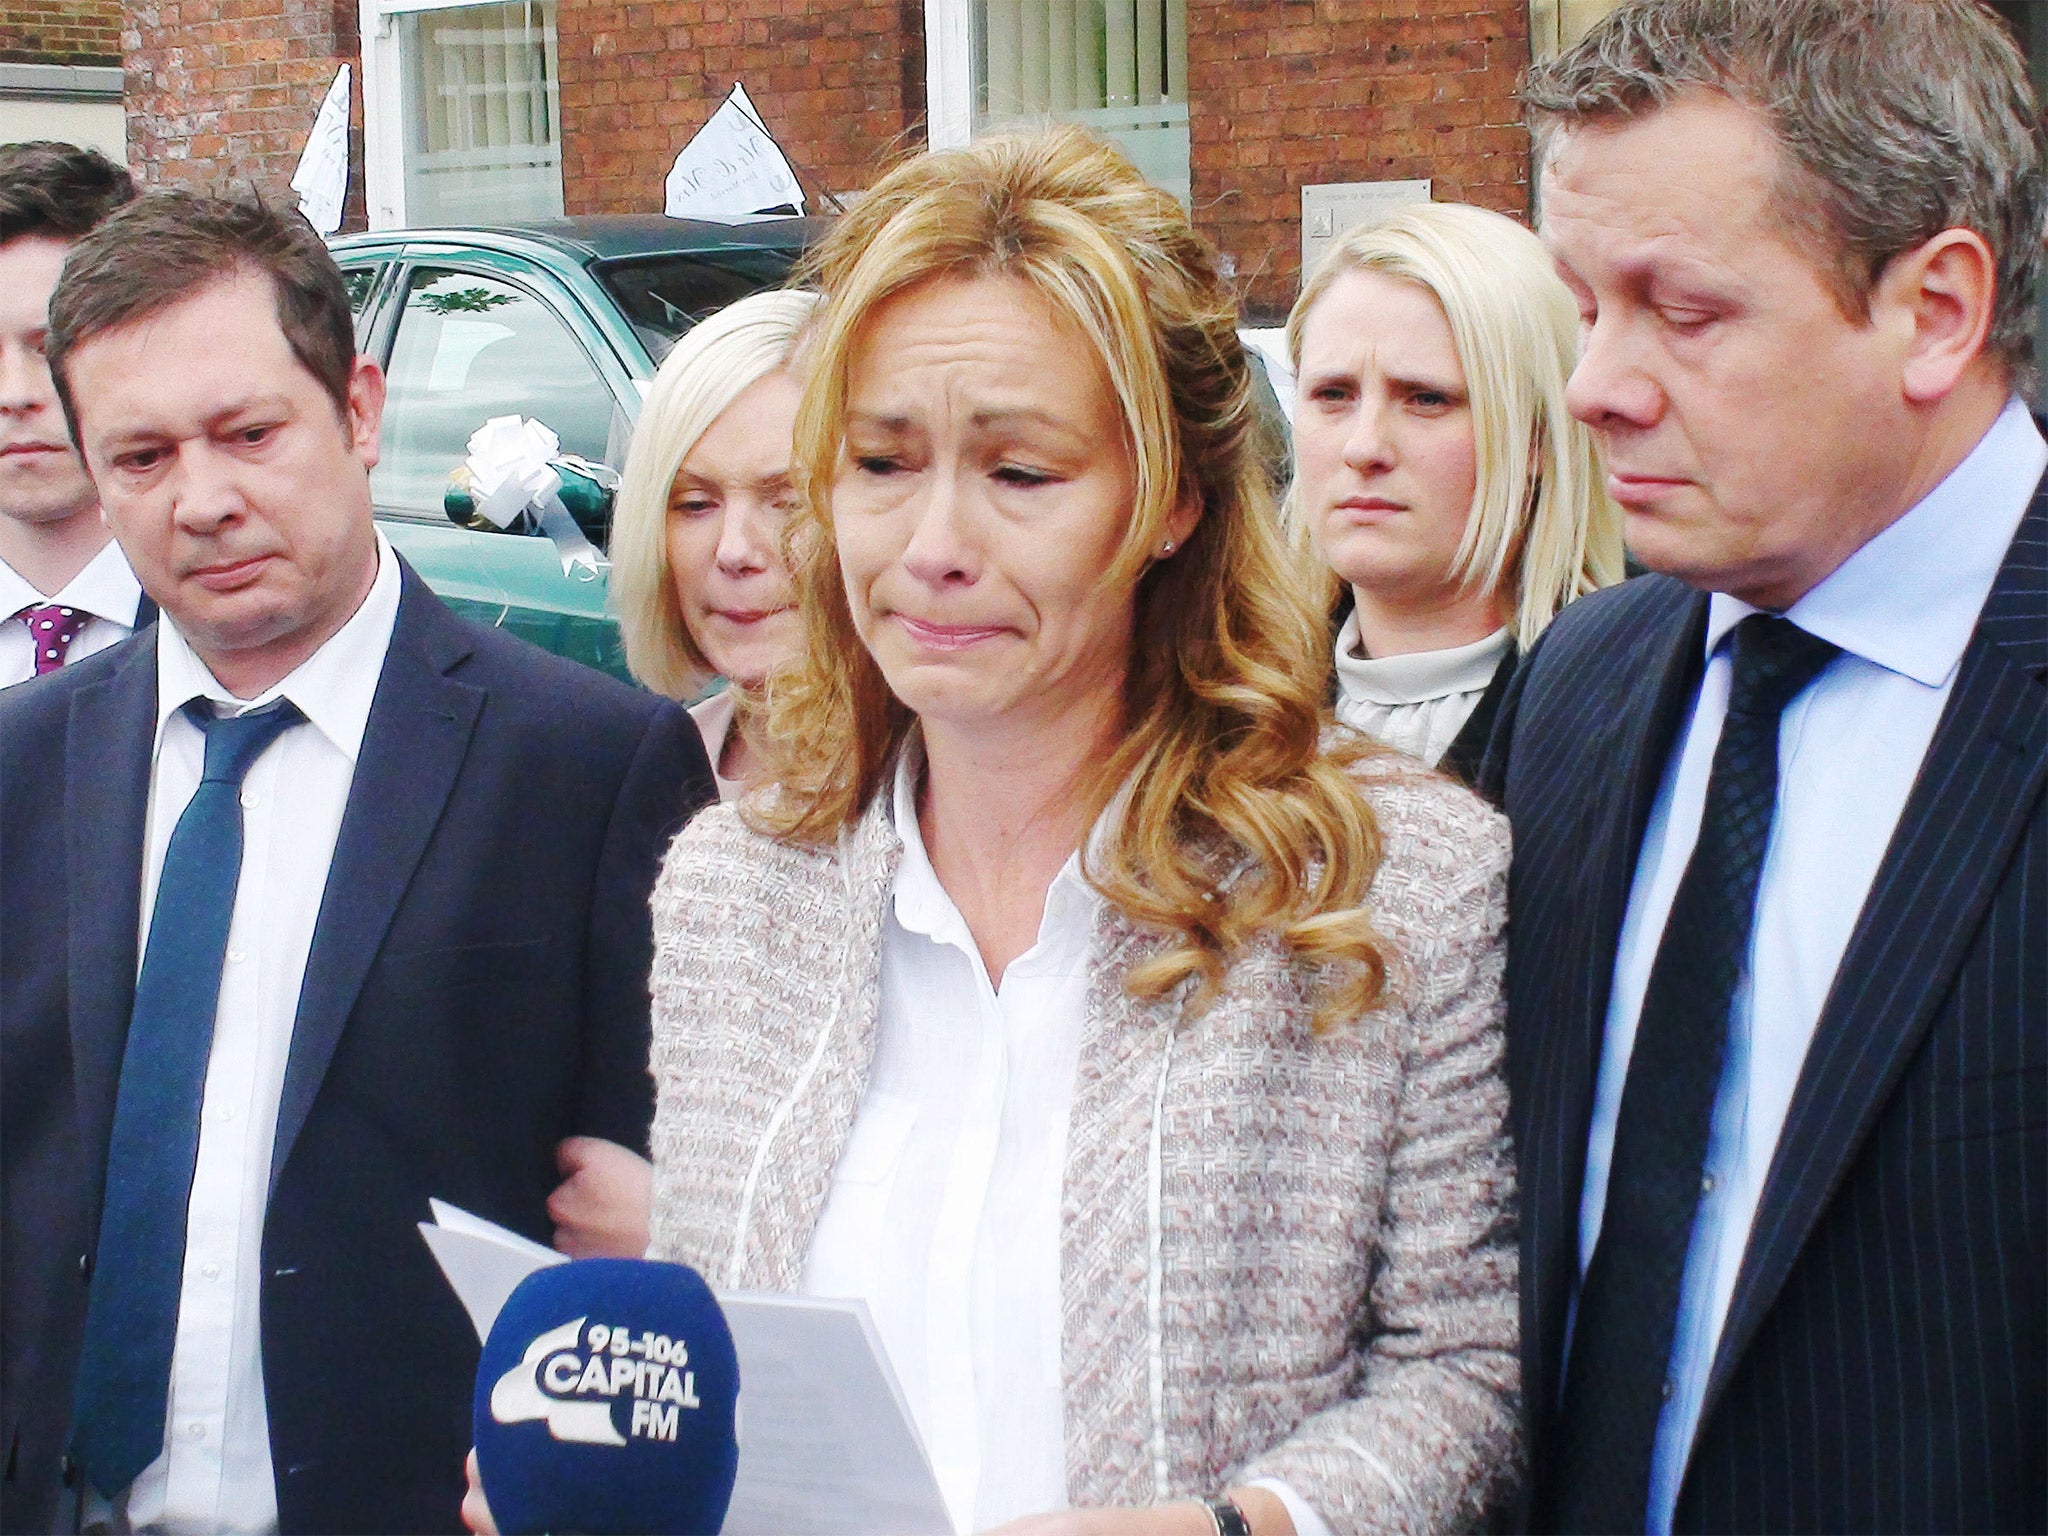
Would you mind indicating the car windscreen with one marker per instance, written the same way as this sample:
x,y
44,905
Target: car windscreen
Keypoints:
x,y
665,294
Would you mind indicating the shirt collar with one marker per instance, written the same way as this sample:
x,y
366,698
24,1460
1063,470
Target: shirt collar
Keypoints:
x,y
1909,599
921,903
105,588
1419,676
333,687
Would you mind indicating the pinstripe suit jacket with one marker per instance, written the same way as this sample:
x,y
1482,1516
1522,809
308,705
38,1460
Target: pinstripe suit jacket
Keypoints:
x,y
1883,1366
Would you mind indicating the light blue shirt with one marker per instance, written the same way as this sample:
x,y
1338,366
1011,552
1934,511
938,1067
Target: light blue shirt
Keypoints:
x,y
1902,609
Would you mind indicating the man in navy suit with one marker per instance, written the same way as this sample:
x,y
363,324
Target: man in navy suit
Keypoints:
x,y
320,902
1778,984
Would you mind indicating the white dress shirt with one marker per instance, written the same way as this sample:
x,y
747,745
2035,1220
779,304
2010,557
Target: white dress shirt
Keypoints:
x,y
106,589
215,1473
1902,609
944,1214
1418,702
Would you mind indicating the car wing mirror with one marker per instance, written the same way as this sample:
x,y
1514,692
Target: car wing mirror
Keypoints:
x,y
516,480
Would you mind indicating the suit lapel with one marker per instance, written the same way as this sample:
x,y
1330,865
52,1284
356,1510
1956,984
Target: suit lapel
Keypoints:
x,y
1976,791
419,730
107,750
1653,688
1462,759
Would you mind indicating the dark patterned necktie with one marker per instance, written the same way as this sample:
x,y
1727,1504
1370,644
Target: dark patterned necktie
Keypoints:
x,y
124,1367
52,629
1616,1377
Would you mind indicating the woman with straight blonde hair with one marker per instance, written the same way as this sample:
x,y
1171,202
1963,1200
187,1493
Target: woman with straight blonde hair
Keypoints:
x,y
698,575
702,591
1450,501
1131,1054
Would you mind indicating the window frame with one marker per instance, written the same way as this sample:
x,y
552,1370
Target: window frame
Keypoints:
x,y
384,103
950,93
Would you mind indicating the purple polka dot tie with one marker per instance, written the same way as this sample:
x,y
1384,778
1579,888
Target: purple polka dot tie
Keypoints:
x,y
52,629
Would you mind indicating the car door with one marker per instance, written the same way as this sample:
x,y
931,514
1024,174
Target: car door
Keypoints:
x,y
468,342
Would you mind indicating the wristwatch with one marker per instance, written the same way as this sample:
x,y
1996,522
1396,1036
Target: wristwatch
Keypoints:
x,y
1229,1519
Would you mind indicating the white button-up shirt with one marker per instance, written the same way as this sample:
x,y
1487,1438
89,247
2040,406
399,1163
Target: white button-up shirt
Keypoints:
x,y
215,1473
105,589
944,1213
1902,608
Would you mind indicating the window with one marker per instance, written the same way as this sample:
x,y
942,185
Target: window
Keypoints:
x,y
470,347
462,111
663,296
1554,25
1117,66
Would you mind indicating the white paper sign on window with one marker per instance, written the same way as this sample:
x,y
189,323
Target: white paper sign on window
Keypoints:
x,y
322,177
732,170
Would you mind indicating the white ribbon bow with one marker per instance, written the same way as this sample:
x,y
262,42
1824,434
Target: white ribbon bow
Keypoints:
x,y
510,471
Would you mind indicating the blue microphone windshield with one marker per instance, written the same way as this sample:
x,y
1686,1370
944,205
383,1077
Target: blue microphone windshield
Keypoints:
x,y
605,1403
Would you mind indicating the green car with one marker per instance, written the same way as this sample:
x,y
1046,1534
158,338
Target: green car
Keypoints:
x,y
562,321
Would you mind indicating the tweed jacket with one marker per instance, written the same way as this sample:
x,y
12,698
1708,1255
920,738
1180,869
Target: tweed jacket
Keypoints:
x,y
1283,1255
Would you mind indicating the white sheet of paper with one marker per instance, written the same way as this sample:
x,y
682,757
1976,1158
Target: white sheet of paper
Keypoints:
x,y
731,169
483,1261
321,179
827,1444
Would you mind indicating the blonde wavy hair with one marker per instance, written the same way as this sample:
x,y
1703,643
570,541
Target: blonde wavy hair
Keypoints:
x,y
1541,520
1239,824
714,363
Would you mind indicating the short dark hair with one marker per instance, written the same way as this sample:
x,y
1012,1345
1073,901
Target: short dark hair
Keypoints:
x,y
168,245
1897,118
58,191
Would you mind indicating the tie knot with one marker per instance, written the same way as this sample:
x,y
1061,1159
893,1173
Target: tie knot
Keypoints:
x,y
1774,659
234,742
51,627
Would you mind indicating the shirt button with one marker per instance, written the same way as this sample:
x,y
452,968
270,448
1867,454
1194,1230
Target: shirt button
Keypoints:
x,y
248,799
237,956
1707,1184
1665,1391
196,1430
227,1113
211,1271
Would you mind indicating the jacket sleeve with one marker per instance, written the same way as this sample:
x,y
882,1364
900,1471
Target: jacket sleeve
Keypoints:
x,y
667,781
1430,1440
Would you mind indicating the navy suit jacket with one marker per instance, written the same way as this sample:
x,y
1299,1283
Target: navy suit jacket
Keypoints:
x,y
1883,1365
476,990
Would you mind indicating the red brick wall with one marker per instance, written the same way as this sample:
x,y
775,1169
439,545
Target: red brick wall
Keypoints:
x,y
840,85
222,93
1284,93
61,32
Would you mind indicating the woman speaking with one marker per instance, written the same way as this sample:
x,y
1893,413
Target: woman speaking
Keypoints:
x,y
1132,1053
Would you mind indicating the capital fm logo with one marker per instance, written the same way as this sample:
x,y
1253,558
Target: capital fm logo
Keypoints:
x,y
571,1378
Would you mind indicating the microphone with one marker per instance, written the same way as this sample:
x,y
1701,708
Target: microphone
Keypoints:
x,y
606,1403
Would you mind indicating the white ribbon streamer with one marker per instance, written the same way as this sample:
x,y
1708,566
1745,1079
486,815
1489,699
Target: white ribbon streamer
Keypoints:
x,y
511,472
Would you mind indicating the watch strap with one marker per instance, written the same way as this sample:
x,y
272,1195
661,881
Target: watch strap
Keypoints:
x,y
1229,1519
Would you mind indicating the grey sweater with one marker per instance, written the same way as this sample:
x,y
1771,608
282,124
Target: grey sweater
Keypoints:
x,y
1283,1255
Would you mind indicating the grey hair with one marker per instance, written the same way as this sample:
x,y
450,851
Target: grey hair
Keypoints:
x,y
1899,119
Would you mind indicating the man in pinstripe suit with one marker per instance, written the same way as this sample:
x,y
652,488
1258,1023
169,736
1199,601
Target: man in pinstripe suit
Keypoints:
x,y
1778,987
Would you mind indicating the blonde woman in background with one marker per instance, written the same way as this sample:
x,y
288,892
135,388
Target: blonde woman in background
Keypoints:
x,y
1133,1054
698,575
702,591
1447,494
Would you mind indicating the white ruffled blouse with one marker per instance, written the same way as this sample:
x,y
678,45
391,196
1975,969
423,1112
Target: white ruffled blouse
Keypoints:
x,y
1419,702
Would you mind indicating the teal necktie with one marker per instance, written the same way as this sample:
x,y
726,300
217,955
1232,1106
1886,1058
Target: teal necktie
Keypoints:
x,y
124,1367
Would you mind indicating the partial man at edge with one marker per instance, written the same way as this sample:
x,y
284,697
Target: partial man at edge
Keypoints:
x,y
65,590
